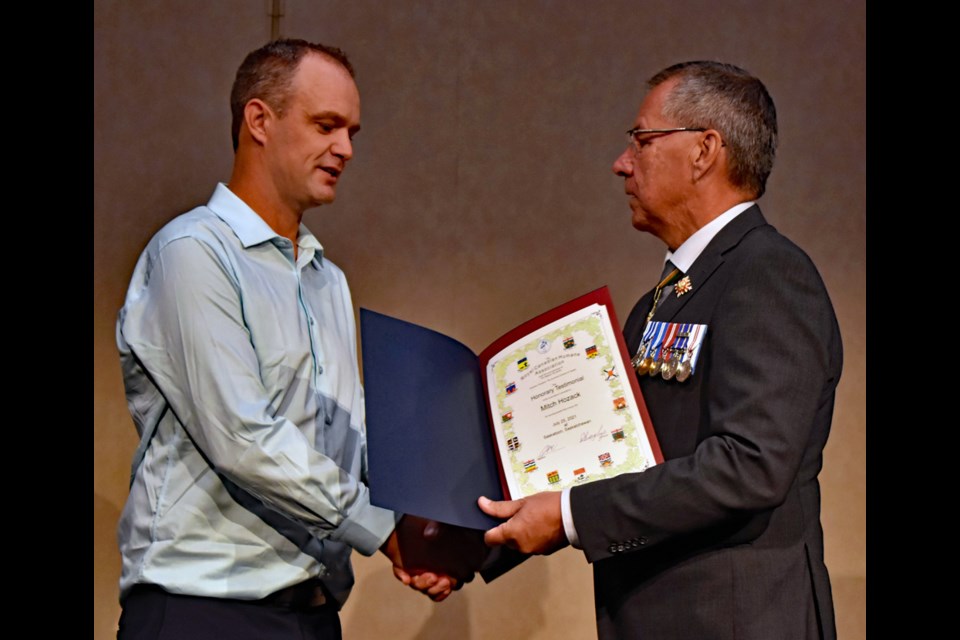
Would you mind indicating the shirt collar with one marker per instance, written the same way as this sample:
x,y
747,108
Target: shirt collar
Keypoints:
x,y
250,228
688,252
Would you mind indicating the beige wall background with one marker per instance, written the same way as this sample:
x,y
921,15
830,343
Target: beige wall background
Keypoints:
x,y
480,195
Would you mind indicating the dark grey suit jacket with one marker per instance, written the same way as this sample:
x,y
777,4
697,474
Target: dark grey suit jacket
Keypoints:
x,y
723,540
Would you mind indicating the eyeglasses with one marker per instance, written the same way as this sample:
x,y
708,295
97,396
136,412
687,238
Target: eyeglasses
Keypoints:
x,y
635,142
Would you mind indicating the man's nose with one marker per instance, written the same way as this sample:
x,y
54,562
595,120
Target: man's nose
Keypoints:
x,y
623,165
343,145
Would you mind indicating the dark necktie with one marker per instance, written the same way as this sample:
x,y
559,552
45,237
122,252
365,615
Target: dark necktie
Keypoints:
x,y
670,275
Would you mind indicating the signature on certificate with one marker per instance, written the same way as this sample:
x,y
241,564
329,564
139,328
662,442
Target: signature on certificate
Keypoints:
x,y
550,448
596,435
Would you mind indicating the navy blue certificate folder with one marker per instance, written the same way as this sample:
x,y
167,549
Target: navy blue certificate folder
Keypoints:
x,y
428,432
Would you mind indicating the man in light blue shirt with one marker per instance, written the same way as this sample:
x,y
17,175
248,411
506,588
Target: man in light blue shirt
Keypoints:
x,y
238,347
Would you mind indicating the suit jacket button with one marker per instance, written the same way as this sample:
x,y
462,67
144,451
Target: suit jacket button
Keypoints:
x,y
620,547
643,540
613,548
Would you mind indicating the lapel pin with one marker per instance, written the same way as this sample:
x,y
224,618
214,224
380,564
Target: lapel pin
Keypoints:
x,y
683,286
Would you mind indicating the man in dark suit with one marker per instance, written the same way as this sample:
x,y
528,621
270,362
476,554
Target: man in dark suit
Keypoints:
x,y
723,539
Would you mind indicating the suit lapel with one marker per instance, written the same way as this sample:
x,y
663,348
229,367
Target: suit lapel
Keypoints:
x,y
710,260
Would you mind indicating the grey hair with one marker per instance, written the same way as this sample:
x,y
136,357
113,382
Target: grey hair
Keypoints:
x,y
715,95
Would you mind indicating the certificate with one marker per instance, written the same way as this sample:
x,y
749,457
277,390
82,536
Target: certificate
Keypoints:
x,y
550,404
566,412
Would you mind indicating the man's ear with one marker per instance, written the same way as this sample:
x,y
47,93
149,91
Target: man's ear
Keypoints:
x,y
256,115
705,155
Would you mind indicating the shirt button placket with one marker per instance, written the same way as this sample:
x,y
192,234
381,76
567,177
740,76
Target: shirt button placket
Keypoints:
x,y
314,341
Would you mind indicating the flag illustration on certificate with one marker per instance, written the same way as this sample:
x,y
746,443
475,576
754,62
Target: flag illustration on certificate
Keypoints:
x,y
550,384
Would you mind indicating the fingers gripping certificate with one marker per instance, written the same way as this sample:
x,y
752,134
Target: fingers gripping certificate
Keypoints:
x,y
565,410
551,403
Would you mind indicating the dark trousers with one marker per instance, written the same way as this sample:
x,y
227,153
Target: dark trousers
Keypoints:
x,y
150,613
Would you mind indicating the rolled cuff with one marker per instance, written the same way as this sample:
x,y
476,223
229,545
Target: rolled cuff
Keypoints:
x,y
366,528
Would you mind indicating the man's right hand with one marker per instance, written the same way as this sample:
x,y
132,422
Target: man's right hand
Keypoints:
x,y
434,558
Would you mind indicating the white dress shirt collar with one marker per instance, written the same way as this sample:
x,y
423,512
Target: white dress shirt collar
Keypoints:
x,y
687,253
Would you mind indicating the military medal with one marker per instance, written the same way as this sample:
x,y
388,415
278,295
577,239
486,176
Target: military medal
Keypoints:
x,y
669,368
655,338
648,364
639,361
653,358
664,353
685,368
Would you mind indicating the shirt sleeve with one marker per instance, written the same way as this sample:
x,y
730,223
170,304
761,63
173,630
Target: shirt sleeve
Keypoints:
x,y
569,528
184,326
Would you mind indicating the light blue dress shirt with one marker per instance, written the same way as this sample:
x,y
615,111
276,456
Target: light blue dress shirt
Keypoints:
x,y
243,359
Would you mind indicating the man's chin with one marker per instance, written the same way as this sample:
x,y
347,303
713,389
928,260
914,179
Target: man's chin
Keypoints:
x,y
326,196
640,223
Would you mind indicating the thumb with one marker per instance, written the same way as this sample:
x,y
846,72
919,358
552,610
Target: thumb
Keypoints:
x,y
497,536
499,509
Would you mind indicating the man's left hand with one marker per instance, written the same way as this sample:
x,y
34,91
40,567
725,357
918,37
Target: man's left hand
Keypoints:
x,y
535,523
